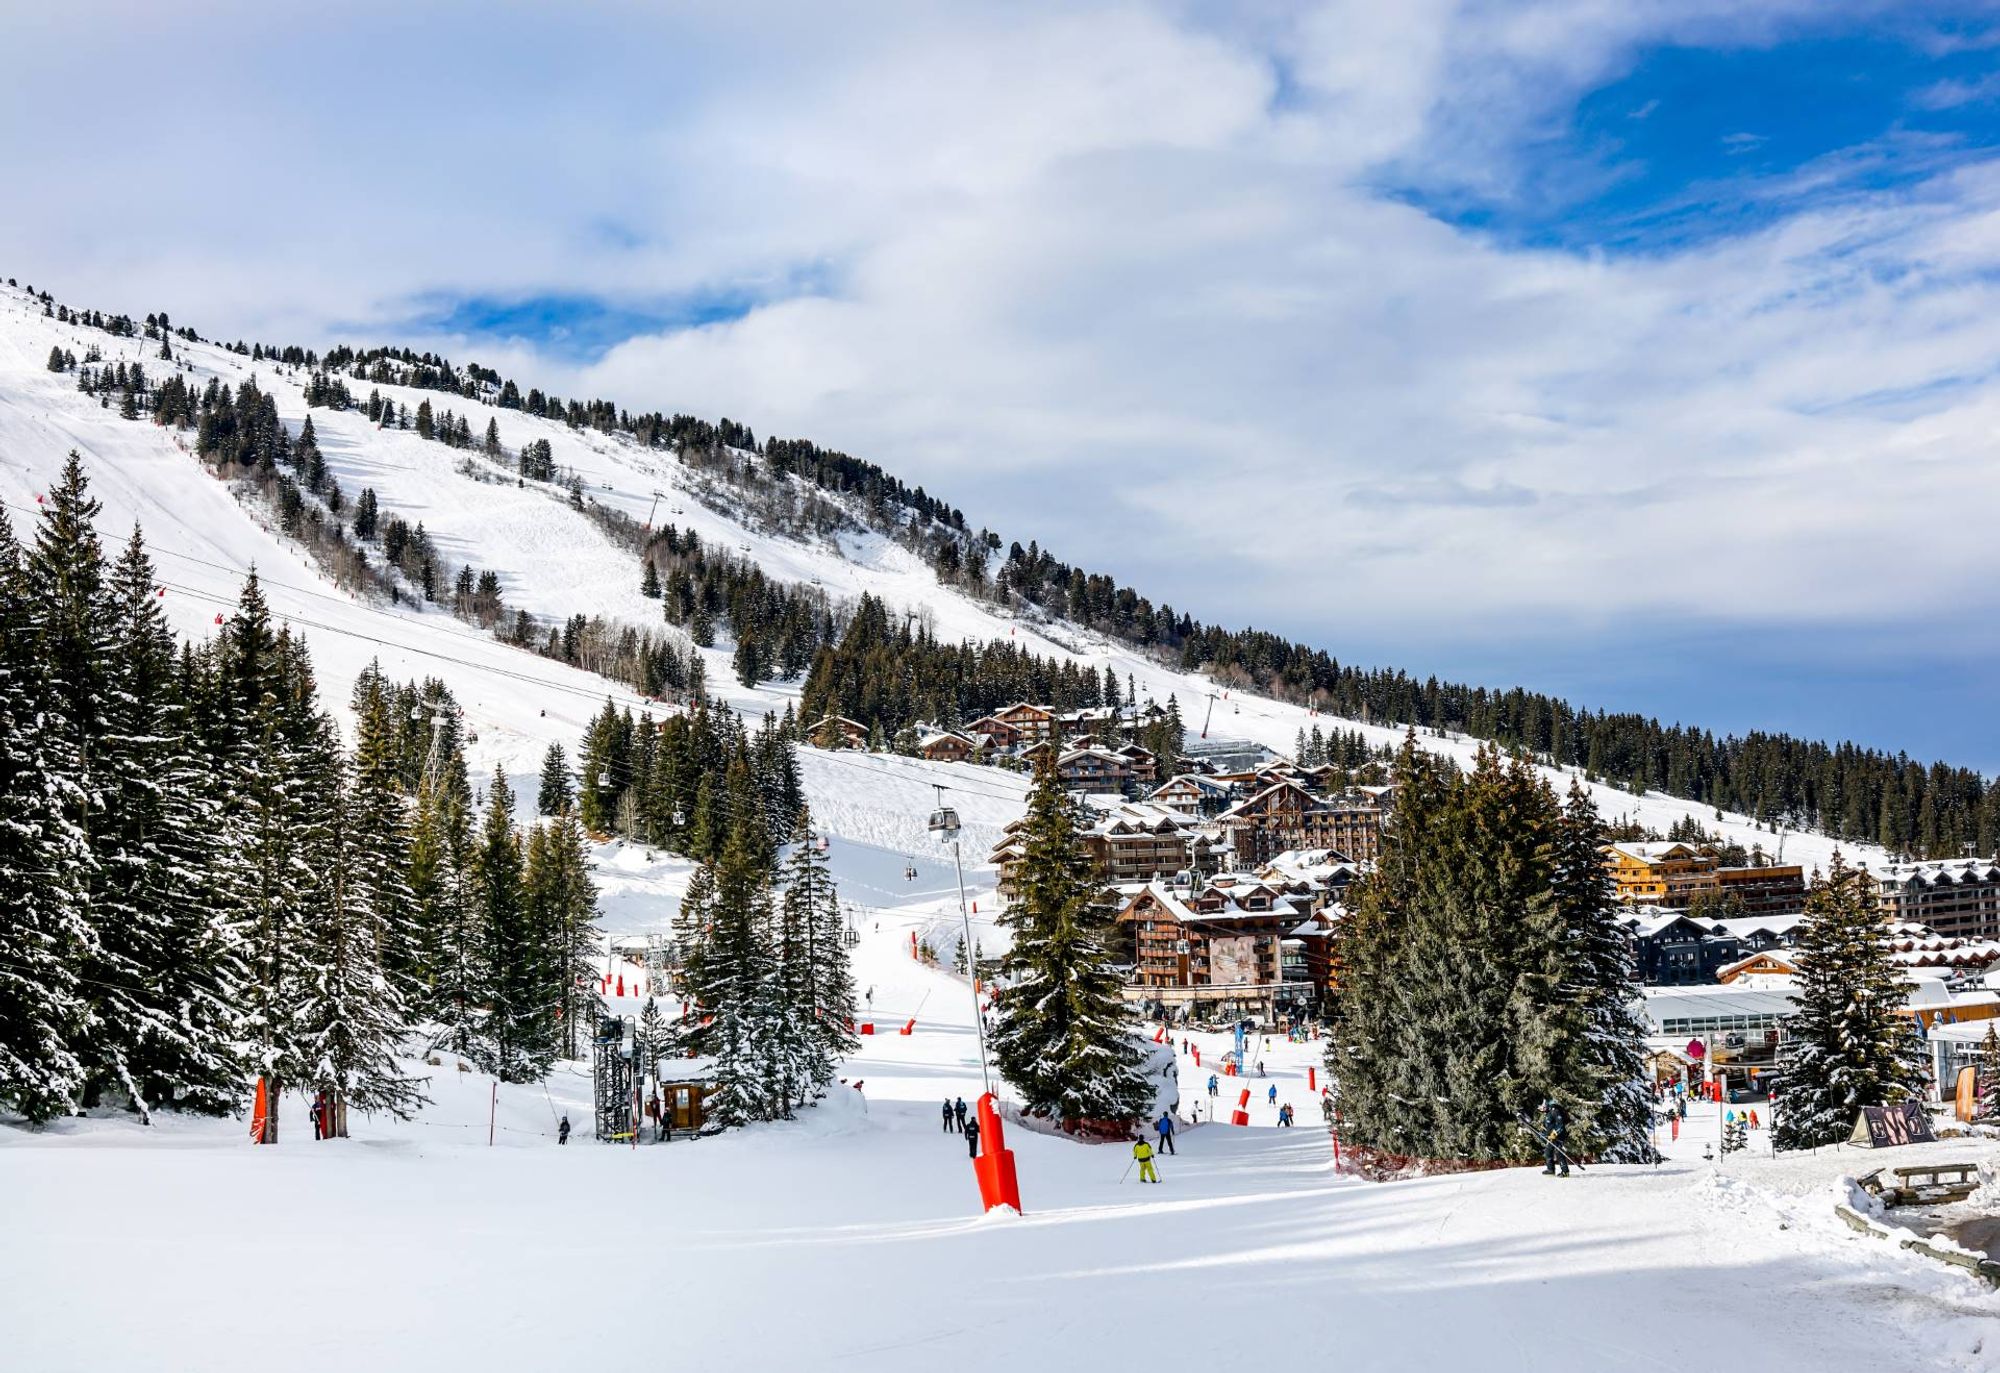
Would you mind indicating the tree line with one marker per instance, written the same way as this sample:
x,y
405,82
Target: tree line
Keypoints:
x,y
203,885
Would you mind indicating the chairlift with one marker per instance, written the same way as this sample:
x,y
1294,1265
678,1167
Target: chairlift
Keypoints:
x,y
679,819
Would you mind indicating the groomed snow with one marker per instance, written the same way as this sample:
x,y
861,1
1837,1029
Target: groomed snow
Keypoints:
x,y
852,1238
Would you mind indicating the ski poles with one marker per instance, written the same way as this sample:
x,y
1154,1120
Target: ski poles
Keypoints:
x,y
1567,1157
1127,1173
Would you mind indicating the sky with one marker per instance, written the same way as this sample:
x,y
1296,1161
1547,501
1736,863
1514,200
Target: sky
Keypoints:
x,y
1648,353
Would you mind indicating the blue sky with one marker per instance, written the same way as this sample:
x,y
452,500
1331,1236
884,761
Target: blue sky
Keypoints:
x,y
1641,351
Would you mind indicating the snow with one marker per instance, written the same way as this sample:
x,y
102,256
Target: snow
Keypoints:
x,y
852,1237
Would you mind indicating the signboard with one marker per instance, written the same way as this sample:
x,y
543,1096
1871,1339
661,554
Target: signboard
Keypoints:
x,y
1879,1127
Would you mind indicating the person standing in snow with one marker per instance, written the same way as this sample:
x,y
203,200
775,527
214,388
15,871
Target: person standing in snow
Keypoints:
x,y
1143,1152
1211,1084
562,1131
947,1115
972,1139
1285,1116
1165,1126
1555,1129
1272,1095
958,1109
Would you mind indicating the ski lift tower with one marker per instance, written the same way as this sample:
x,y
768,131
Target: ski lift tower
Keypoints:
x,y
612,1081
944,826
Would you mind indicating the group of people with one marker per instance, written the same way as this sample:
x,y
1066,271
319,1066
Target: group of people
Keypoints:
x,y
956,1121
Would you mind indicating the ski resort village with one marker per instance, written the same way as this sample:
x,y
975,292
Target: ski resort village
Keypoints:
x,y
1330,705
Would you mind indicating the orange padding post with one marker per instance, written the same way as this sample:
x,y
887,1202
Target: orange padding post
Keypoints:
x,y
868,1027
1241,1115
994,1167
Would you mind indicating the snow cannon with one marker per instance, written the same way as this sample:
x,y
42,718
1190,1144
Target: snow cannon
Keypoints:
x,y
1160,1035
994,1167
1241,1115
909,1027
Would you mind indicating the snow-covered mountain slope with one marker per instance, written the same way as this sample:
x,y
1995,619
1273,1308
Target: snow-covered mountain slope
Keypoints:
x,y
556,562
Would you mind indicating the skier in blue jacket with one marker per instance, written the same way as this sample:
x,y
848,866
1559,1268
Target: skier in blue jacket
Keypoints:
x,y
1165,1127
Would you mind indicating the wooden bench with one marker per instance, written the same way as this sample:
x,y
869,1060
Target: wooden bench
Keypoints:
x,y
1929,1184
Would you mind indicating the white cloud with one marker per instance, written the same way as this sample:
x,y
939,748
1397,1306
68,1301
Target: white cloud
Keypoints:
x,y
1100,269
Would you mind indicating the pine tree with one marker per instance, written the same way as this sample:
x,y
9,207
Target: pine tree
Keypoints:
x,y
457,974
1065,1040
1600,1073
1488,922
169,973
818,985
378,832
649,581
555,795
1735,1134
1989,1075
1847,1047
44,865
562,908
350,1014
519,1043
732,975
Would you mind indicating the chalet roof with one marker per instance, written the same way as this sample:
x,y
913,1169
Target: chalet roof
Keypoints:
x,y
1652,852
1242,807
1747,926
1935,872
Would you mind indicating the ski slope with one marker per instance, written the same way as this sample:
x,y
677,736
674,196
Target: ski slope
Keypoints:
x,y
555,562
851,1238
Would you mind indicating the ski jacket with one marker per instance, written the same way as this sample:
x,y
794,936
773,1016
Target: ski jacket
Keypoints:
x,y
1142,1151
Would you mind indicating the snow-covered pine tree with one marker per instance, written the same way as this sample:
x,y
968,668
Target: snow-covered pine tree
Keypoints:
x,y
1065,1040
819,985
1372,1075
559,898
732,978
516,1029
1603,1069
555,794
277,756
456,980
377,834
44,865
1735,1134
167,922
350,1014
652,1038
1988,1080
1847,1047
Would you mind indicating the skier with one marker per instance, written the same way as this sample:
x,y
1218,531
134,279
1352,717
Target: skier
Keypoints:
x,y
1211,1084
562,1131
1555,1129
958,1109
947,1115
1165,1126
1260,1068
1143,1152
972,1139
1272,1095
1285,1116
